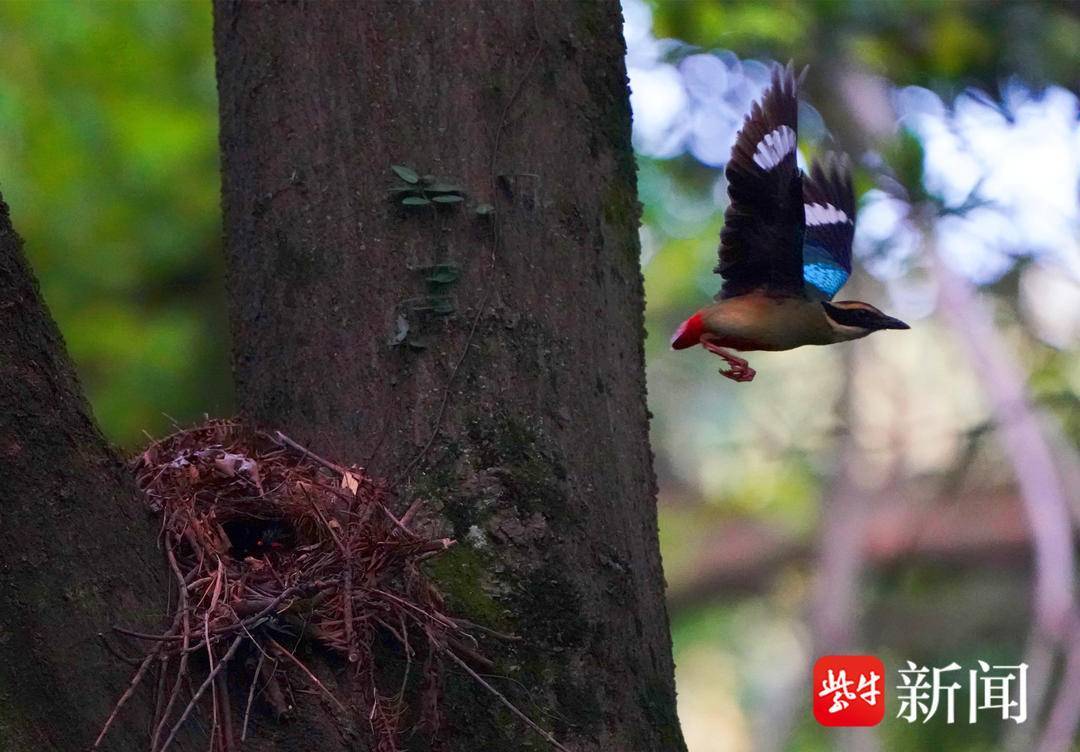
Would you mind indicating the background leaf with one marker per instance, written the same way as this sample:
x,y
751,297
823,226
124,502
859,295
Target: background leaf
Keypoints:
x,y
405,173
444,188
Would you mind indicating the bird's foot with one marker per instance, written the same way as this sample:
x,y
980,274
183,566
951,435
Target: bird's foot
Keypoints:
x,y
740,370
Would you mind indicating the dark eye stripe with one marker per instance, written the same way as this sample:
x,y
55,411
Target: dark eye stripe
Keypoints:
x,y
851,316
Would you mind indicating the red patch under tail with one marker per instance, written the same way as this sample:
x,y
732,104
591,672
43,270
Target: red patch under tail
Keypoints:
x,y
688,334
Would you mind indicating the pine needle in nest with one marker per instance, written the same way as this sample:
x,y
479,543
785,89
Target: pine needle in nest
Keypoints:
x,y
270,545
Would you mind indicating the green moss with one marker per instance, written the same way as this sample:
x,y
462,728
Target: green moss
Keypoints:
x,y
9,729
622,211
83,595
609,117
579,699
531,473
549,608
463,576
608,85
479,721
504,467
439,486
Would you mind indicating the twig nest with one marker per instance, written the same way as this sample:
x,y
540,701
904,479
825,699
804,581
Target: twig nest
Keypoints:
x,y
272,545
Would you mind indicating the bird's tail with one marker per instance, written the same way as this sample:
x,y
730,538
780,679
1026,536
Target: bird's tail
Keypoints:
x,y
688,334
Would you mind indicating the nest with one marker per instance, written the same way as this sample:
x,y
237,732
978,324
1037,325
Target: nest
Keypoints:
x,y
269,545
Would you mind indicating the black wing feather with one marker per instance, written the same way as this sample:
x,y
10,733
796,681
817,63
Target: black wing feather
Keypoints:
x,y
761,243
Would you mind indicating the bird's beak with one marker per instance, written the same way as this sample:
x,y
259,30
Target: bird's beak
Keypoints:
x,y
888,322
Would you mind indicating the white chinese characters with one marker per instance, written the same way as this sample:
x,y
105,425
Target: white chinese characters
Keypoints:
x,y
839,686
925,691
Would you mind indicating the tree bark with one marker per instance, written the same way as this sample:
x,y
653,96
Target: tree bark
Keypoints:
x,y
512,400
77,553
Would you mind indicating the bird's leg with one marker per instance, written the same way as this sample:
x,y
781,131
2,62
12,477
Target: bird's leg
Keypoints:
x,y
740,369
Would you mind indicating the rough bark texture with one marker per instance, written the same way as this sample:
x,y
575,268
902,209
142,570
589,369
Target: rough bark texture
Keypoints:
x,y
541,465
76,552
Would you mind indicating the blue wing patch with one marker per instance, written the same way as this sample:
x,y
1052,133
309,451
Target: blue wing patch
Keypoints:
x,y
829,206
824,277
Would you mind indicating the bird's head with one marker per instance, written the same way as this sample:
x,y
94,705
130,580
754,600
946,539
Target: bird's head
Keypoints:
x,y
852,319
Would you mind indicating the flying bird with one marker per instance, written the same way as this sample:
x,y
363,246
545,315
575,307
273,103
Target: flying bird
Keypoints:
x,y
785,249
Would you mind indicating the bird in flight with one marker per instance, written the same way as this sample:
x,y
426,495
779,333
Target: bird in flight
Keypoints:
x,y
785,250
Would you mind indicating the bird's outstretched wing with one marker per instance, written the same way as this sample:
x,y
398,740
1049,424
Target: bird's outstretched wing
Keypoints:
x,y
829,199
761,243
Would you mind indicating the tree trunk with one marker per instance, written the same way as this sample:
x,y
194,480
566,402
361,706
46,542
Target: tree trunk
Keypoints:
x,y
76,553
511,398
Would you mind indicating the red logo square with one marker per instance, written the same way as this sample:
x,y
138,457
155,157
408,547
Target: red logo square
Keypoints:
x,y
849,690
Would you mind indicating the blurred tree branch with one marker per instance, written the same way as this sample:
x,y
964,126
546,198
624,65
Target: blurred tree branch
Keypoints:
x,y
975,530
1044,497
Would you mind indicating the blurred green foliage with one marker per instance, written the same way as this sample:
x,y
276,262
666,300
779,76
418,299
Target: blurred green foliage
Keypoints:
x,y
944,44
109,163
